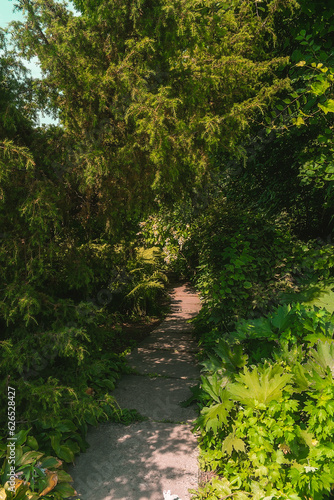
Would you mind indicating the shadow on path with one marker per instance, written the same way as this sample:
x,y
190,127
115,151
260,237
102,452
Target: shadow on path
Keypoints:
x,y
140,461
132,463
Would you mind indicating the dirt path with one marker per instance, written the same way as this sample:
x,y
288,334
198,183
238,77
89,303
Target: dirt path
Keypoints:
x,y
140,461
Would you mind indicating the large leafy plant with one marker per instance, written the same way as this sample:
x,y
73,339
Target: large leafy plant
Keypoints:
x,y
267,429
36,475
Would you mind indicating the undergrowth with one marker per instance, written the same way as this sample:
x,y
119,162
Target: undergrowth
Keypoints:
x,y
266,396
266,423
59,365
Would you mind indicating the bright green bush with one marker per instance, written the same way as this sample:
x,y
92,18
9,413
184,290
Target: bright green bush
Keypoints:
x,y
267,428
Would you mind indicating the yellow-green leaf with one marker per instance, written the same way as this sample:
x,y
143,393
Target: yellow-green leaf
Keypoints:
x,y
231,441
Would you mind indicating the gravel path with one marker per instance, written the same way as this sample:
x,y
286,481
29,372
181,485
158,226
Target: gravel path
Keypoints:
x,y
140,461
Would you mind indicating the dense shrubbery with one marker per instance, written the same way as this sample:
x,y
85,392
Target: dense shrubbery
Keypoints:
x,y
266,423
63,367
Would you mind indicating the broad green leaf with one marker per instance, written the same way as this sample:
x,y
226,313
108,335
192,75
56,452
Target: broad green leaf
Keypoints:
x,y
72,445
319,88
64,477
260,385
231,356
323,355
232,442
29,457
300,375
55,442
214,385
65,489
50,463
32,442
215,416
65,453
307,437
282,317
221,486
22,436
66,426
212,364
299,121
328,106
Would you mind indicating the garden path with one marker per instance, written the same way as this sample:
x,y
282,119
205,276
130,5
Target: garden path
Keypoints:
x,y
140,461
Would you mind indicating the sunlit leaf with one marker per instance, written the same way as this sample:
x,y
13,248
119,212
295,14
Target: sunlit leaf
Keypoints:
x,y
260,385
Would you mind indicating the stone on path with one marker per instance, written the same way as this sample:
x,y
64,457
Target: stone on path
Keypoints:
x,y
140,461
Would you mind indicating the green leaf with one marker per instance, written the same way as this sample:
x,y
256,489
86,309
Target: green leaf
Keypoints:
x,y
327,107
55,442
232,442
324,355
32,443
232,357
216,415
259,386
65,489
64,477
299,121
300,374
306,436
65,453
214,385
66,426
29,457
282,317
319,88
50,463
21,436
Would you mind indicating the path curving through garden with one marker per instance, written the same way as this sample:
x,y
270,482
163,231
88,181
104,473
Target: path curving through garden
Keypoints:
x,y
140,461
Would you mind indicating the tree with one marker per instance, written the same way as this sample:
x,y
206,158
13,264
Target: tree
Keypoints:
x,y
149,90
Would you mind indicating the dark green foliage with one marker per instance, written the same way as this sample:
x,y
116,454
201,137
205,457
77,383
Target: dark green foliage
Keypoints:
x,y
147,92
247,261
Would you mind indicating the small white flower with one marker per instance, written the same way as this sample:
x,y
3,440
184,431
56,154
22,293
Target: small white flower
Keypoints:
x,y
169,496
181,241
310,469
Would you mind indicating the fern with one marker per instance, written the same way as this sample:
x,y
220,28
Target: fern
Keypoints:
x,y
146,291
